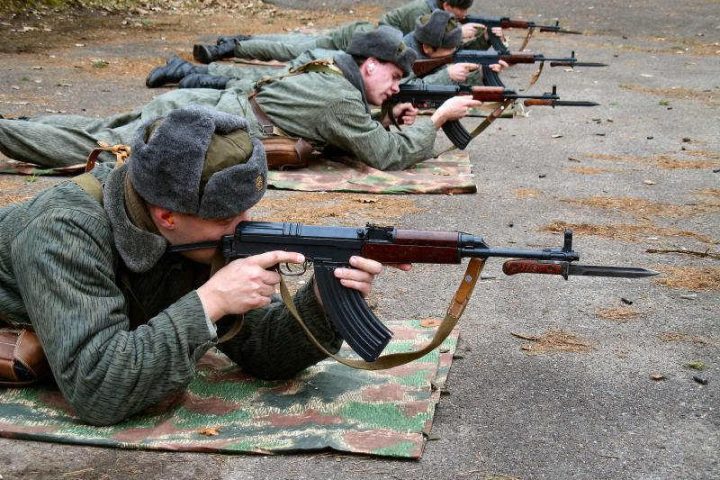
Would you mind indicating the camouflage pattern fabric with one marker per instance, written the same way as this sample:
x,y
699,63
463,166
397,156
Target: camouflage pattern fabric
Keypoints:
x,y
22,168
448,173
385,413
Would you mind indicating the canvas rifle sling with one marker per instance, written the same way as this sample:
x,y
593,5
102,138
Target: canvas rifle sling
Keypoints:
x,y
452,316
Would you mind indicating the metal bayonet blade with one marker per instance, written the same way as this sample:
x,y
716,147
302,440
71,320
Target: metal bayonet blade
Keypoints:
x,y
621,272
574,103
561,63
571,32
591,64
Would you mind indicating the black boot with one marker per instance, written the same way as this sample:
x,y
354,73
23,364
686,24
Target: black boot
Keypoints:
x,y
236,38
200,80
210,53
172,72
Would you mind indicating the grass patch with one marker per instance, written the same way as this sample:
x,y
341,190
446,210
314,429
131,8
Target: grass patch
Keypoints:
x,y
522,193
666,161
340,208
690,278
629,233
553,341
644,208
617,314
589,170
711,98
686,338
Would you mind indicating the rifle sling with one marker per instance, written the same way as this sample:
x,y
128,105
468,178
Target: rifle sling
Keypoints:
x,y
454,312
531,30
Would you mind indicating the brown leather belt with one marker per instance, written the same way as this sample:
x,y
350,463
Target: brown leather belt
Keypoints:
x,y
282,151
267,127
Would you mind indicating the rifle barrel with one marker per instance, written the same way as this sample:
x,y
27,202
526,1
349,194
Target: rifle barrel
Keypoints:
x,y
566,62
562,30
559,103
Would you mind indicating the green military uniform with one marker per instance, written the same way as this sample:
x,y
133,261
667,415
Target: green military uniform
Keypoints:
x,y
404,19
119,318
327,109
440,76
287,47
245,77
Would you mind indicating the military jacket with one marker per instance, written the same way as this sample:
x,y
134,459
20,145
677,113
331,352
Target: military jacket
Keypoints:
x,y
329,109
119,318
404,18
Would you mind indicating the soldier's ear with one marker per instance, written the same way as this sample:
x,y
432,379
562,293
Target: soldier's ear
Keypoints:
x,y
162,217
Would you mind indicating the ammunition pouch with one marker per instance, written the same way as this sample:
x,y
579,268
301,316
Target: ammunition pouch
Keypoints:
x,y
285,152
22,360
282,152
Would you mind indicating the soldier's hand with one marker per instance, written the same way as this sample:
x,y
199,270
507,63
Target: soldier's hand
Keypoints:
x,y
244,284
454,108
470,31
458,72
405,113
498,32
499,67
362,274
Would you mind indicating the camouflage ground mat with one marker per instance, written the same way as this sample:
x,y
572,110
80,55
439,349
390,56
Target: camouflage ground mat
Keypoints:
x,y
449,173
22,168
330,406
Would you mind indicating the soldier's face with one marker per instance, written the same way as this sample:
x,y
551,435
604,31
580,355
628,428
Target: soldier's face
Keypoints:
x,y
460,13
181,228
382,80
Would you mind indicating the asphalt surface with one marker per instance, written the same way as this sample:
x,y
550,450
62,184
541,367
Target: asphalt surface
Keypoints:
x,y
558,415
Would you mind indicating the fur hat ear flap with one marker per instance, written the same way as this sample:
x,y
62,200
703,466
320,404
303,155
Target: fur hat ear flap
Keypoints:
x,y
199,161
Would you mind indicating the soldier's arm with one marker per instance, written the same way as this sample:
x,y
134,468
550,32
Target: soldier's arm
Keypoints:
x,y
346,125
105,371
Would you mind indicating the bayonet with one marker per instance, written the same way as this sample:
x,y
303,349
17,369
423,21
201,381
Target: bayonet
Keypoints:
x,y
566,269
559,103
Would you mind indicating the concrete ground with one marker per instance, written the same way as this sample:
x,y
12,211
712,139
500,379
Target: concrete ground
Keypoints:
x,y
606,389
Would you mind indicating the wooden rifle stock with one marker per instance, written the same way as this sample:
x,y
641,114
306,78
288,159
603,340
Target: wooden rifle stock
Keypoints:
x,y
513,267
538,102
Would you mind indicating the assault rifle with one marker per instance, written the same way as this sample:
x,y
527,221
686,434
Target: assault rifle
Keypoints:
x,y
508,23
331,247
481,57
432,96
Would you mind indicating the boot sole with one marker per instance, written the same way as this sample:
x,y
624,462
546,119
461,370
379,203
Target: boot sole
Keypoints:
x,y
201,54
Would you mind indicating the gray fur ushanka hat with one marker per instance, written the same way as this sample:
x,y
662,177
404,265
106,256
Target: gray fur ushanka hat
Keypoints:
x,y
439,30
384,43
198,161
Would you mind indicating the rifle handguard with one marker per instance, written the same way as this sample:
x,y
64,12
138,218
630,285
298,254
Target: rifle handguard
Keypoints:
x,y
350,314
